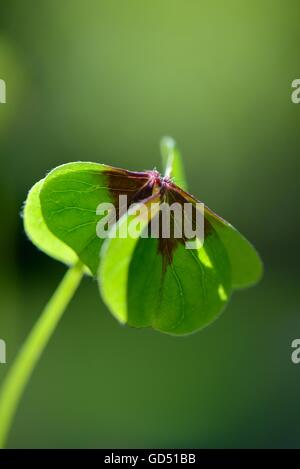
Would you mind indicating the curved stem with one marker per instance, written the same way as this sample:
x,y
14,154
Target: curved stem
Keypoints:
x,y
20,372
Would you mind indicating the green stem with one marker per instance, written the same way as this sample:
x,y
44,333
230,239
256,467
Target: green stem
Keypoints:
x,y
20,372
172,161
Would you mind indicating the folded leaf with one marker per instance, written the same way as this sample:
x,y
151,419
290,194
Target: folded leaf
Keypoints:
x,y
70,196
246,265
38,232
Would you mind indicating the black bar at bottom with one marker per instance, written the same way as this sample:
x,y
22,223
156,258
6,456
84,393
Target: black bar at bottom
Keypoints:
x,y
148,457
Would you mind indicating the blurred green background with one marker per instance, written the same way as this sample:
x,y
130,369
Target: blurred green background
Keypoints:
x,y
103,81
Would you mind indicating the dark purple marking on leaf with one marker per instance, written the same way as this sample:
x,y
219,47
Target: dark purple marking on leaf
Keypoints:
x,y
182,197
139,186
207,211
135,185
167,246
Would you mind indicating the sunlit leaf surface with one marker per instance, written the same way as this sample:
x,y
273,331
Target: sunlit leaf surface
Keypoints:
x,y
145,281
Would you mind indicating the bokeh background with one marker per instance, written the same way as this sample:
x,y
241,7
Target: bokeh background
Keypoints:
x,y
103,81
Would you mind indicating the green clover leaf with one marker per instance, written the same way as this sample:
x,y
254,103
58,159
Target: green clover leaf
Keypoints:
x,y
145,281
